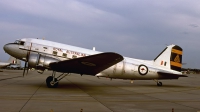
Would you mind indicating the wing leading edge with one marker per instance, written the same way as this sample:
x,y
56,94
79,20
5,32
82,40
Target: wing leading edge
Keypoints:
x,y
90,65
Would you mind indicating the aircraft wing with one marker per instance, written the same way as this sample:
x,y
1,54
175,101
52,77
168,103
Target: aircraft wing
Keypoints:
x,y
170,75
90,65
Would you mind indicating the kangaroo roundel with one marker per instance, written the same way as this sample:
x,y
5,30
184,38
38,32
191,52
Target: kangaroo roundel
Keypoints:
x,y
143,70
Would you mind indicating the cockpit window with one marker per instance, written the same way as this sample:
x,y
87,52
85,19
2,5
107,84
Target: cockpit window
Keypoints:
x,y
19,42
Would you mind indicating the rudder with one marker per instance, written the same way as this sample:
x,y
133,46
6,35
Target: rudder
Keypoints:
x,y
170,58
176,58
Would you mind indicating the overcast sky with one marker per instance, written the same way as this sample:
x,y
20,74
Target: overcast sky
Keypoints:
x,y
133,28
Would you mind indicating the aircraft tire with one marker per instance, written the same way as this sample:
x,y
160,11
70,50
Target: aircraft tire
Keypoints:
x,y
159,83
49,82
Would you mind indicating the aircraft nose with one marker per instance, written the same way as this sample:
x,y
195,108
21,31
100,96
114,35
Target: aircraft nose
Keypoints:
x,y
7,48
13,50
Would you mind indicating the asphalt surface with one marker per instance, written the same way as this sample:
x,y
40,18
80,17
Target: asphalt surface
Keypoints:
x,y
77,93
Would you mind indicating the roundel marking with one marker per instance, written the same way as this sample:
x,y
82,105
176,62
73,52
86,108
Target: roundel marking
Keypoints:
x,y
142,69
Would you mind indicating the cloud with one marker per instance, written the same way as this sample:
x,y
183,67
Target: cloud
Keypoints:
x,y
15,26
134,28
194,25
67,11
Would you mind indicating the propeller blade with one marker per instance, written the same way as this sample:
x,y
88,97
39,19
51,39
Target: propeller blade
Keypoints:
x,y
24,68
27,59
27,70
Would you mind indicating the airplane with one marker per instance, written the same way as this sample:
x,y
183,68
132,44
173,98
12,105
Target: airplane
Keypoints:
x,y
10,61
44,54
15,66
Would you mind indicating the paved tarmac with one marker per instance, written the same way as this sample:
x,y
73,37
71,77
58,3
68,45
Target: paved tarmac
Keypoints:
x,y
77,93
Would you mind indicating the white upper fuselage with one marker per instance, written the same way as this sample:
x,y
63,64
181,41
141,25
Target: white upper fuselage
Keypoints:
x,y
126,69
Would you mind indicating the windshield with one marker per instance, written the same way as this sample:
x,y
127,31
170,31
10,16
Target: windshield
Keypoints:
x,y
19,42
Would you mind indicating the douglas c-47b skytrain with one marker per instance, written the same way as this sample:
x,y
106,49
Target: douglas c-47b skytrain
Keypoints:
x,y
43,54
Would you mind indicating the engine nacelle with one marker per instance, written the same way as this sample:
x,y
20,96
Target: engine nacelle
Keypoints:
x,y
40,61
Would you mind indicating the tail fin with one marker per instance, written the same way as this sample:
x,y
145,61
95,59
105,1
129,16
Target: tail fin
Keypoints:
x,y
12,60
170,58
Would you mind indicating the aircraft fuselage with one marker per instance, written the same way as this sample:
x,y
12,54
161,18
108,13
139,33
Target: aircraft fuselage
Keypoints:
x,y
129,68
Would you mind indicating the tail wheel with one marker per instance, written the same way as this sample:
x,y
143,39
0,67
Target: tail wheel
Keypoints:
x,y
50,83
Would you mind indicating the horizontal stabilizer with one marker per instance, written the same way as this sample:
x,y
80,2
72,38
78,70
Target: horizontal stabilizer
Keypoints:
x,y
170,75
90,65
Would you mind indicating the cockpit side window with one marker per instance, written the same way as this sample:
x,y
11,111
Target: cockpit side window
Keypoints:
x,y
21,43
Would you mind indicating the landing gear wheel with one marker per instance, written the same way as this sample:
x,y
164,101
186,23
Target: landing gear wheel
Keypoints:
x,y
159,83
50,83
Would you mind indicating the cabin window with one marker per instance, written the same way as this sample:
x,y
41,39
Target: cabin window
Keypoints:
x,y
55,52
64,55
45,47
74,56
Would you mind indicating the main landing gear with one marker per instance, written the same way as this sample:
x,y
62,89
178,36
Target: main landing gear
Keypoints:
x,y
52,81
158,83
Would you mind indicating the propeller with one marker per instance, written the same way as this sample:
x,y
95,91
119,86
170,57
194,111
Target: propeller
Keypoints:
x,y
26,62
25,68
